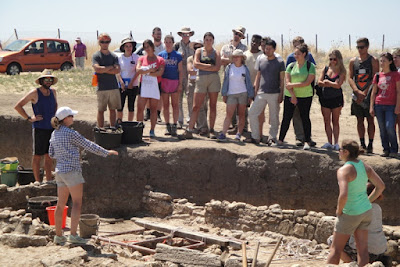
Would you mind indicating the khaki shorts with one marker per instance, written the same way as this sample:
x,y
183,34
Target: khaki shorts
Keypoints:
x,y
110,98
69,179
208,83
347,224
235,99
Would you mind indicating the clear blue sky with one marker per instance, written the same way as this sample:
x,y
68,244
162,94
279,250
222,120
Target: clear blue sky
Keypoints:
x,y
333,21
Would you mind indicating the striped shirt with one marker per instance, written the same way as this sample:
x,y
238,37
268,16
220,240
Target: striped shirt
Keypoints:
x,y
64,147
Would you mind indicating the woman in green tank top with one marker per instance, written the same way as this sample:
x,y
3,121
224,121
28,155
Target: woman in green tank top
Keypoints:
x,y
354,205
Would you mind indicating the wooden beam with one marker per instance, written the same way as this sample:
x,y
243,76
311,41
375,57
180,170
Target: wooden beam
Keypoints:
x,y
185,233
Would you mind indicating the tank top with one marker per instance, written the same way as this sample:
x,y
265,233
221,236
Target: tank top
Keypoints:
x,y
357,198
45,106
207,60
330,92
363,73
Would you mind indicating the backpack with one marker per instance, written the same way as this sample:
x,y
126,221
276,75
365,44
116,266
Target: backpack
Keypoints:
x,y
308,69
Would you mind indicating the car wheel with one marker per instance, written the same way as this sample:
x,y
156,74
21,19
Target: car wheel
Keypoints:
x,y
66,66
13,69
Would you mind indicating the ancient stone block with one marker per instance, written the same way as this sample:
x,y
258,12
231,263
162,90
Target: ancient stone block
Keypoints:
x,y
21,240
325,228
299,230
71,257
300,213
285,227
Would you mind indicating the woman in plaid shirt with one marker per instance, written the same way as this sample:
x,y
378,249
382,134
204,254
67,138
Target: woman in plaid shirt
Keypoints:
x,y
65,144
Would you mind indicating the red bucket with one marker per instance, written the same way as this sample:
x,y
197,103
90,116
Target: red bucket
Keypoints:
x,y
50,213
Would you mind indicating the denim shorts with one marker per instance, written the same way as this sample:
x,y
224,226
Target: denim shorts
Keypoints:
x,y
69,179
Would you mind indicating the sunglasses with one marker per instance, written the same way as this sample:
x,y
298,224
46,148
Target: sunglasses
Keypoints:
x,y
239,34
48,79
197,47
360,46
332,59
105,42
186,34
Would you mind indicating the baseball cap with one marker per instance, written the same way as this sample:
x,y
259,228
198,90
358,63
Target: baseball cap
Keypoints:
x,y
64,112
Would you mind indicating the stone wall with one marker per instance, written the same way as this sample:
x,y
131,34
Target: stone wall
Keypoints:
x,y
293,178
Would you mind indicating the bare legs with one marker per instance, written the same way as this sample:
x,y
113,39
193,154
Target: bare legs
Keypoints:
x,y
331,121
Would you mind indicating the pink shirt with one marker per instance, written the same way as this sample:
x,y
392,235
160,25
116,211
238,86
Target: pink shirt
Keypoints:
x,y
79,50
154,64
387,88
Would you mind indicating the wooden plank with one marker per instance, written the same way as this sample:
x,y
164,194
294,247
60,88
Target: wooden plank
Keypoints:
x,y
185,233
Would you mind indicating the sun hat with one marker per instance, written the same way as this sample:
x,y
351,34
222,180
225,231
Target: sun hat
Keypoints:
x,y
241,30
186,30
193,43
64,112
78,39
239,53
47,74
125,41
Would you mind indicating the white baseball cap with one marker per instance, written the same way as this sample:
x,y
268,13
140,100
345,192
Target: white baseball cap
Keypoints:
x,y
64,112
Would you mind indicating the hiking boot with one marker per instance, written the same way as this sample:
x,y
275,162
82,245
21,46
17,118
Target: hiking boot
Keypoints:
x,y
312,143
370,149
76,239
168,131
221,137
187,135
173,129
59,240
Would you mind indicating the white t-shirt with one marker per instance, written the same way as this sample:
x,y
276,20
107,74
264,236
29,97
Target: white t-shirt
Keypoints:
x,y
128,67
237,80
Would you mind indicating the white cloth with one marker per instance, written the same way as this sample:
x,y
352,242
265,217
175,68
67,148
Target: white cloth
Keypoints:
x,y
237,80
128,69
149,86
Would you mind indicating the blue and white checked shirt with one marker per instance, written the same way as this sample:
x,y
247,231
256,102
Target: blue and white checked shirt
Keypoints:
x,y
64,147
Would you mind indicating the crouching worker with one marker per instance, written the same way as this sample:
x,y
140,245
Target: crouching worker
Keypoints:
x,y
64,147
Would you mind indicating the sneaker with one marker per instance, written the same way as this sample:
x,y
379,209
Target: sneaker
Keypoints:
x,y
76,239
306,146
336,147
221,137
385,154
173,129
168,131
187,135
272,142
370,149
213,134
327,146
312,143
237,137
251,140
299,142
59,240
152,134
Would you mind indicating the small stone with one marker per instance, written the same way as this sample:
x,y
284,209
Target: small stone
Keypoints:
x,y
28,215
21,212
392,249
26,220
136,255
14,219
183,201
300,213
7,229
396,235
5,214
13,213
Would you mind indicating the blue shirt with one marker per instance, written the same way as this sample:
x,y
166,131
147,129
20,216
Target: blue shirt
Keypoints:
x,y
64,147
171,64
291,59
45,106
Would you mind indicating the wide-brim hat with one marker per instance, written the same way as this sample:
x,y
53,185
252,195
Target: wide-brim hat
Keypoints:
x,y
78,39
64,112
186,30
47,74
125,41
193,43
239,53
241,30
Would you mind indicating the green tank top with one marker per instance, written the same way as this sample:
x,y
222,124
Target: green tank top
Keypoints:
x,y
357,198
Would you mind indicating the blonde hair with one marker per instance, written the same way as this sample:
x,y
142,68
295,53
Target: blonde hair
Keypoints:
x,y
396,51
339,57
56,123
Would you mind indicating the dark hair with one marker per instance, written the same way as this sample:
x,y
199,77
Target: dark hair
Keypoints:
x,y
156,29
149,42
297,40
389,57
363,40
169,36
353,148
265,39
303,48
256,37
271,43
208,34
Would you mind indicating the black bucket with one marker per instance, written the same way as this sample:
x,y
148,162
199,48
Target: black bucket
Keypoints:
x,y
133,131
25,176
109,137
37,206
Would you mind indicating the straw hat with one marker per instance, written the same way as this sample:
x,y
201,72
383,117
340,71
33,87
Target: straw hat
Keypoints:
x,y
241,30
239,53
47,74
193,43
125,41
186,30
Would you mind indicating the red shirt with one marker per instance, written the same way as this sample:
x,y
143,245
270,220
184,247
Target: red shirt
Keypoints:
x,y
155,63
387,88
